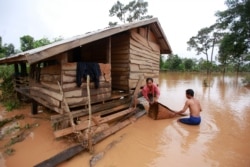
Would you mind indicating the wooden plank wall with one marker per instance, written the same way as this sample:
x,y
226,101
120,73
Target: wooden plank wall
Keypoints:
x,y
20,82
144,56
120,61
47,91
77,96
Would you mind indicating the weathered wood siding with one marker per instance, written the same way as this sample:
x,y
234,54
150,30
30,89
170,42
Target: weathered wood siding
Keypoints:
x,y
77,96
144,56
120,61
134,54
47,91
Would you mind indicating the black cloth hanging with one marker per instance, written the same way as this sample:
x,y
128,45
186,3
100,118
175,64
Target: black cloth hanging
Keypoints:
x,y
88,68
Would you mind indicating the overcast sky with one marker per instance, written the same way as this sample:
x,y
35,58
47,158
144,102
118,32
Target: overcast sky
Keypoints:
x,y
180,19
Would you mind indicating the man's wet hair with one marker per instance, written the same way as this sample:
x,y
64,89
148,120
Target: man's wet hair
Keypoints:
x,y
149,79
190,92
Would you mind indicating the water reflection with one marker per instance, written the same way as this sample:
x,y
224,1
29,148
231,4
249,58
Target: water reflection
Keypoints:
x,y
222,138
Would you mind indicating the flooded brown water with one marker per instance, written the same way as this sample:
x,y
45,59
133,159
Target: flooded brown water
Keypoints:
x,y
222,138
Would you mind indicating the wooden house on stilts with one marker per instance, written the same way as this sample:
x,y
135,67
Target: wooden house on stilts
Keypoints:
x,y
49,75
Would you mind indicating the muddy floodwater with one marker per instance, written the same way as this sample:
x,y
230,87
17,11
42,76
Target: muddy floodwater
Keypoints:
x,y
221,140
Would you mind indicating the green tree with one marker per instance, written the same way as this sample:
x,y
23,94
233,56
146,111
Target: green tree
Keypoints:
x,y
174,63
9,49
8,95
204,41
240,49
161,62
41,42
232,50
137,10
134,10
6,49
119,10
27,42
202,64
188,64
236,19
225,51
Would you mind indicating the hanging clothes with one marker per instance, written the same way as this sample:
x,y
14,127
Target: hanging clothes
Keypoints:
x,y
88,68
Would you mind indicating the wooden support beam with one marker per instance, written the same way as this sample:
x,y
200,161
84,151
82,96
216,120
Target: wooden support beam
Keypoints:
x,y
85,124
109,105
34,107
136,91
62,156
55,95
67,108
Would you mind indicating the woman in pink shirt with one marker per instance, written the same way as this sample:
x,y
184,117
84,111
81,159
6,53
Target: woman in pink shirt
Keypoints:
x,y
149,94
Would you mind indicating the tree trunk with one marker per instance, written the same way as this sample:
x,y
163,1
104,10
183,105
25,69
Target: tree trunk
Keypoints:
x,y
207,65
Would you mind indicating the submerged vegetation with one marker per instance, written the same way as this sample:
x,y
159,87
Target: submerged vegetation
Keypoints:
x,y
246,81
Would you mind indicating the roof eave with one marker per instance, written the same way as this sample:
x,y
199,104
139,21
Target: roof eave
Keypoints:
x,y
13,59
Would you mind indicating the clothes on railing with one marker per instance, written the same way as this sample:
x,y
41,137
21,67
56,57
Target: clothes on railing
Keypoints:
x,y
88,68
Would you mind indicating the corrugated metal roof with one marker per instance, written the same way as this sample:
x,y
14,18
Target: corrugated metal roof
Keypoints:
x,y
38,54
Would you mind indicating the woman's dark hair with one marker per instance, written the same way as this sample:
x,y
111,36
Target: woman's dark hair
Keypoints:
x,y
190,92
149,79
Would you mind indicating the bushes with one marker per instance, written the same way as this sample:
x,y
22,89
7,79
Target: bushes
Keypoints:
x,y
246,81
8,95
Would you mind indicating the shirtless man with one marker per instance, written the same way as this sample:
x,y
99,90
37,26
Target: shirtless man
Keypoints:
x,y
194,108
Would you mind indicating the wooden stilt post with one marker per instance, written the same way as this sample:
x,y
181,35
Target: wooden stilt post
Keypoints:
x,y
90,145
34,107
66,106
136,91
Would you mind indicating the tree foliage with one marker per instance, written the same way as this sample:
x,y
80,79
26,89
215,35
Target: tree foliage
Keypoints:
x,y
231,33
27,42
236,43
236,19
133,11
173,63
205,41
226,51
8,94
9,49
41,42
6,49
119,10
188,64
137,10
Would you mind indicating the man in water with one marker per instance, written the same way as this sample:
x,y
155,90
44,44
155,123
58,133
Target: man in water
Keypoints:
x,y
194,107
